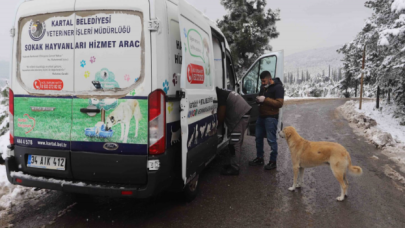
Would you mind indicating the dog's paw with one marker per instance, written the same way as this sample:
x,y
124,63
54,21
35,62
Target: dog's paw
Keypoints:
x,y
340,198
291,189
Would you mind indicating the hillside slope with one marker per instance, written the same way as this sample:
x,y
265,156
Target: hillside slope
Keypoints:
x,y
315,61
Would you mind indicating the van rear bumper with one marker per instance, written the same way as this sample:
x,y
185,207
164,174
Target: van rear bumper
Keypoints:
x,y
78,187
157,181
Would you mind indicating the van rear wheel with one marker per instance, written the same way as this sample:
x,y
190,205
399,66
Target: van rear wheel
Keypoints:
x,y
191,190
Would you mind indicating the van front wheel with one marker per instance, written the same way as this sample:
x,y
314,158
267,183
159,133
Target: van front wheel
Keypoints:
x,y
191,189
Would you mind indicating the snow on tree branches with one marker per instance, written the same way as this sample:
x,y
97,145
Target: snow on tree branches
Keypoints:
x,y
248,27
384,38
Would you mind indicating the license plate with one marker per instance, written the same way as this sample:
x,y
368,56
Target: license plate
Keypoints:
x,y
46,162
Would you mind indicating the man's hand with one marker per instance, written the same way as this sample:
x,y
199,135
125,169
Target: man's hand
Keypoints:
x,y
260,99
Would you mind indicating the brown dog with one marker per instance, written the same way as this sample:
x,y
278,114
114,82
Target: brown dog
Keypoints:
x,y
307,154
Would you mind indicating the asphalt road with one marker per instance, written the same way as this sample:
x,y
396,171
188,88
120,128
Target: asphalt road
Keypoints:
x,y
255,198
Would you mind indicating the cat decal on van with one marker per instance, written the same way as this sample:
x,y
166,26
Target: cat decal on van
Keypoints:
x,y
106,79
207,63
202,130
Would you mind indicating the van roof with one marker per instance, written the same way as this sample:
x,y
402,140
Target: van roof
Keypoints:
x,y
53,6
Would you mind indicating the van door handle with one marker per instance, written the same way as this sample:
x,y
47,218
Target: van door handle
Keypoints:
x,y
86,110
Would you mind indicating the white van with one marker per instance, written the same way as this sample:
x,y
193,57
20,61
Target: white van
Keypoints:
x,y
118,97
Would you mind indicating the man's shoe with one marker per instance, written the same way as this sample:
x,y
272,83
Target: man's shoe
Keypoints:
x,y
230,171
270,166
256,162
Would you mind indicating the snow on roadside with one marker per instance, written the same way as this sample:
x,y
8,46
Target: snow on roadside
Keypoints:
x,y
380,127
287,98
12,195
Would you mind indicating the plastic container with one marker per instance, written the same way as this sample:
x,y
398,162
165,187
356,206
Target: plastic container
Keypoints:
x,y
106,134
91,132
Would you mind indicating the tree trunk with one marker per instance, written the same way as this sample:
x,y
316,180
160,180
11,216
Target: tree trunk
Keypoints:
x,y
389,95
362,75
378,97
403,92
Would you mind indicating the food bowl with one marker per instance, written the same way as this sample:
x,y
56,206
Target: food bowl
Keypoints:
x,y
91,132
106,134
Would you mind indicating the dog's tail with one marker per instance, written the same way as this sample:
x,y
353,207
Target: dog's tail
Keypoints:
x,y
354,170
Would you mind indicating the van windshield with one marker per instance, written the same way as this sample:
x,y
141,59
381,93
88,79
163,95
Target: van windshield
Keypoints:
x,y
88,53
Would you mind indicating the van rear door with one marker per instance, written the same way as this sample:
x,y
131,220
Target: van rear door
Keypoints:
x,y
198,111
110,109
43,83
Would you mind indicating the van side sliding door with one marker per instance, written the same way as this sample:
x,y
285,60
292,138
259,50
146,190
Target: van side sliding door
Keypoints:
x,y
198,118
250,83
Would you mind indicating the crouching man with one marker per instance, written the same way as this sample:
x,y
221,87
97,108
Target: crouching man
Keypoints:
x,y
233,110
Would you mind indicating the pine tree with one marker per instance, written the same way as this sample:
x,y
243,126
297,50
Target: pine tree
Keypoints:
x,y
3,112
340,74
248,27
308,77
302,76
384,38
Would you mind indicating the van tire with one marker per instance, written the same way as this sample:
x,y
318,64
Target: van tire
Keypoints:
x,y
191,190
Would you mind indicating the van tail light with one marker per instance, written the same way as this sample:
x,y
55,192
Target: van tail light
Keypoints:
x,y
126,193
157,122
11,115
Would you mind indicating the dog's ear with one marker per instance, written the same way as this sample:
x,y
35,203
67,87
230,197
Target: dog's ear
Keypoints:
x,y
112,119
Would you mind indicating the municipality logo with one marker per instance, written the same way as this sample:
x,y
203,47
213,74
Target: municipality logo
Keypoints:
x,y
37,30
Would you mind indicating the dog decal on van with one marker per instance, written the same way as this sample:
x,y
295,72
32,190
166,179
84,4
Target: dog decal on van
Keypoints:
x,y
123,115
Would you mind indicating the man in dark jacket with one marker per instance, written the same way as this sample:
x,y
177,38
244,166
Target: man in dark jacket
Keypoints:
x,y
270,99
233,110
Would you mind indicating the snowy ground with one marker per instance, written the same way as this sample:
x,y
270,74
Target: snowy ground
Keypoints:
x,y
12,196
380,126
308,98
